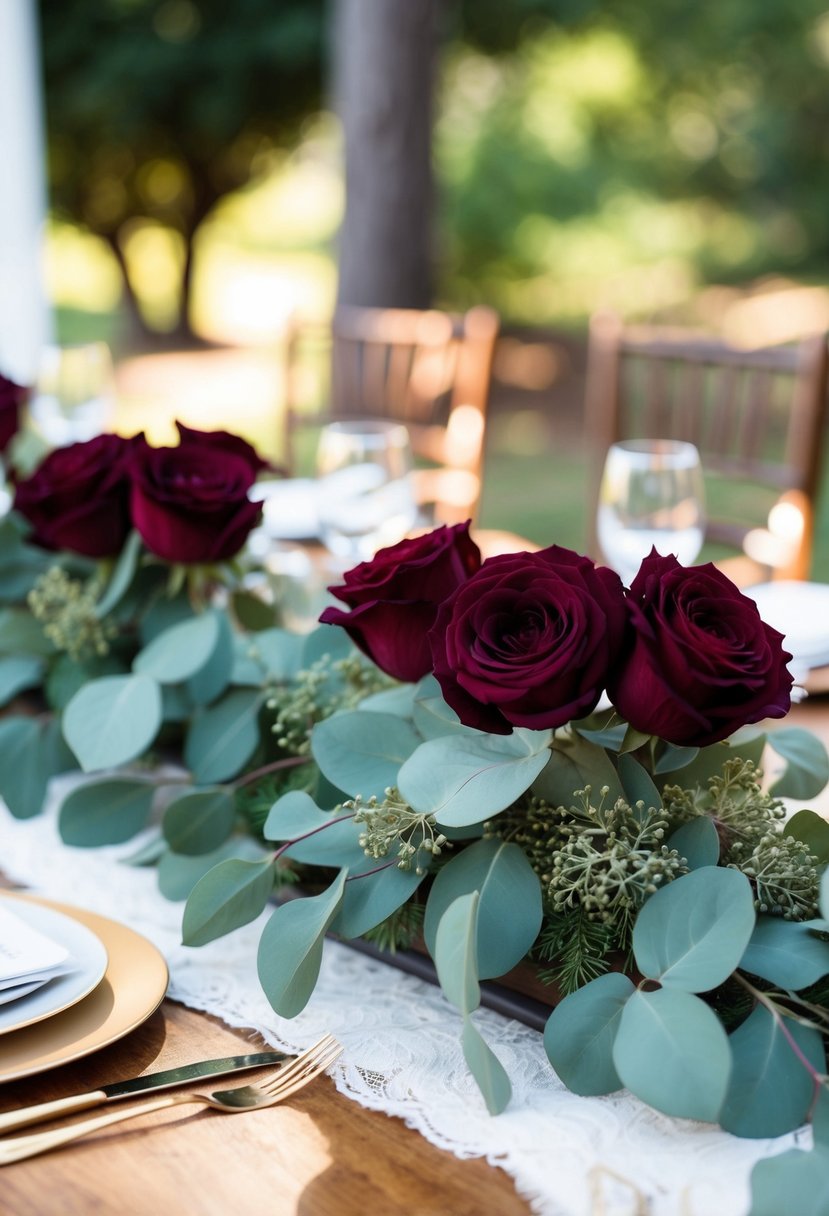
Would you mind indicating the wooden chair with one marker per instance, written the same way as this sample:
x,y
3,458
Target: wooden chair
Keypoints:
x,y
756,416
429,370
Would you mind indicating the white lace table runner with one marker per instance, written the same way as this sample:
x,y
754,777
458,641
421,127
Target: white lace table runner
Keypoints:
x,y
569,1156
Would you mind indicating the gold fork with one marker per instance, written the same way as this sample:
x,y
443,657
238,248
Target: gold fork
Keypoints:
x,y
287,1081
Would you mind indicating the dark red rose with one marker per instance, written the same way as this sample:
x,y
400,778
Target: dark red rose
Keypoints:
x,y
12,399
701,662
394,598
190,503
78,497
529,640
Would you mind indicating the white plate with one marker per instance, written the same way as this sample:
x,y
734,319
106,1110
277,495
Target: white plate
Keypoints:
x,y
289,508
88,953
800,611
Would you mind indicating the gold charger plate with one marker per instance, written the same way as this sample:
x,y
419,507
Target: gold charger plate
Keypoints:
x,y
133,987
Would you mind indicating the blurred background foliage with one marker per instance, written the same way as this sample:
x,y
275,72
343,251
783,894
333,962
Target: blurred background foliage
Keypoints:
x,y
669,160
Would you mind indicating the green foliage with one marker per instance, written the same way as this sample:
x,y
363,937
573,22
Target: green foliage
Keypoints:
x,y
791,1184
581,1031
361,752
398,931
112,720
223,737
807,770
787,954
373,897
32,751
577,948
180,651
231,894
290,950
199,821
18,673
66,608
105,812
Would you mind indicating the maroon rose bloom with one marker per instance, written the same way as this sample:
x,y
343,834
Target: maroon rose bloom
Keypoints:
x,y
190,503
529,640
701,662
12,399
78,497
394,598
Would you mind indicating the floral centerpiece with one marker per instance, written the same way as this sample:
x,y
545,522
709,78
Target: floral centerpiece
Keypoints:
x,y
437,764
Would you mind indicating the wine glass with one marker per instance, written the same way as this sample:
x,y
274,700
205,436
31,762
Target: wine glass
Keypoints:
x,y
651,495
366,499
73,395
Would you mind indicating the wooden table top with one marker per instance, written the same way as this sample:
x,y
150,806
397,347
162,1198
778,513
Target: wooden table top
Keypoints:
x,y
319,1154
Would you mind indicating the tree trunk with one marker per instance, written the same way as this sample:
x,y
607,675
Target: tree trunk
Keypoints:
x,y
383,71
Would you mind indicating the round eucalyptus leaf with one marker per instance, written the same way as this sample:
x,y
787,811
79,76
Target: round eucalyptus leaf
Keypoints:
x,y
199,821
290,949
698,842
213,677
770,1091
105,812
113,720
509,906
672,1052
361,752
638,784
813,831
18,672
370,898
575,763
122,575
787,953
325,640
807,763
793,1183
692,933
31,752
180,651
465,779
230,894
580,1033
178,873
321,838
279,652
223,737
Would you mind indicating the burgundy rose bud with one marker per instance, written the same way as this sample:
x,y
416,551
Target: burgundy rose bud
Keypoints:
x,y
394,598
12,399
701,662
529,640
78,497
190,503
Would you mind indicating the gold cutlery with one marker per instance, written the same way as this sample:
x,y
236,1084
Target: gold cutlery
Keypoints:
x,y
290,1078
149,1083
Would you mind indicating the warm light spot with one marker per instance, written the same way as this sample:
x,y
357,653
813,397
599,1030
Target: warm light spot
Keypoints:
x,y
464,435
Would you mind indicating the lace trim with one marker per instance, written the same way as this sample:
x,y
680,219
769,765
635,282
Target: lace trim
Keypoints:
x,y
569,1156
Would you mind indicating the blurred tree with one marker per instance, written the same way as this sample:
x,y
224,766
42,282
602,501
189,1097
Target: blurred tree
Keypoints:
x,y
157,108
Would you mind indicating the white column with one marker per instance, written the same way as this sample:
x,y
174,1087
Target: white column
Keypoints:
x,y
24,315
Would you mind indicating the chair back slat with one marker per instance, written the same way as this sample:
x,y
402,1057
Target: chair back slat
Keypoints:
x,y
429,370
757,416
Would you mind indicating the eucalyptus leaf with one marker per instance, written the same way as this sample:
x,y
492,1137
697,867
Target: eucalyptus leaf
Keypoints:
x,y
290,950
813,831
638,784
432,716
325,640
455,950
398,701
807,763
786,953
223,737
279,652
673,758
672,1052
199,821
178,873
180,651
67,676
252,612
486,1068
20,633
361,752
580,1033
123,572
824,895
113,720
370,898
210,681
770,1091
466,779
231,894
166,612
692,933
105,812
509,908
698,842
575,764
31,752
791,1184
246,670
709,761
17,673
611,736
147,854
322,838
633,740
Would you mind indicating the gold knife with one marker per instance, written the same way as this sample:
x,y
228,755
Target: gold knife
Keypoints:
x,y
137,1085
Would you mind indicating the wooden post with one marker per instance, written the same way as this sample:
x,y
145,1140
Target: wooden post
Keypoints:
x,y
383,71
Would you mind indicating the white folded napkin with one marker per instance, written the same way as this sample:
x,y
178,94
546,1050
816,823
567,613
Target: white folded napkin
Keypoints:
x,y
28,958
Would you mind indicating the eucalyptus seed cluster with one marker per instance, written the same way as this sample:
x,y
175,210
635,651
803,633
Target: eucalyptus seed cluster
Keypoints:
x,y
392,826
601,859
734,799
318,691
65,608
784,874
